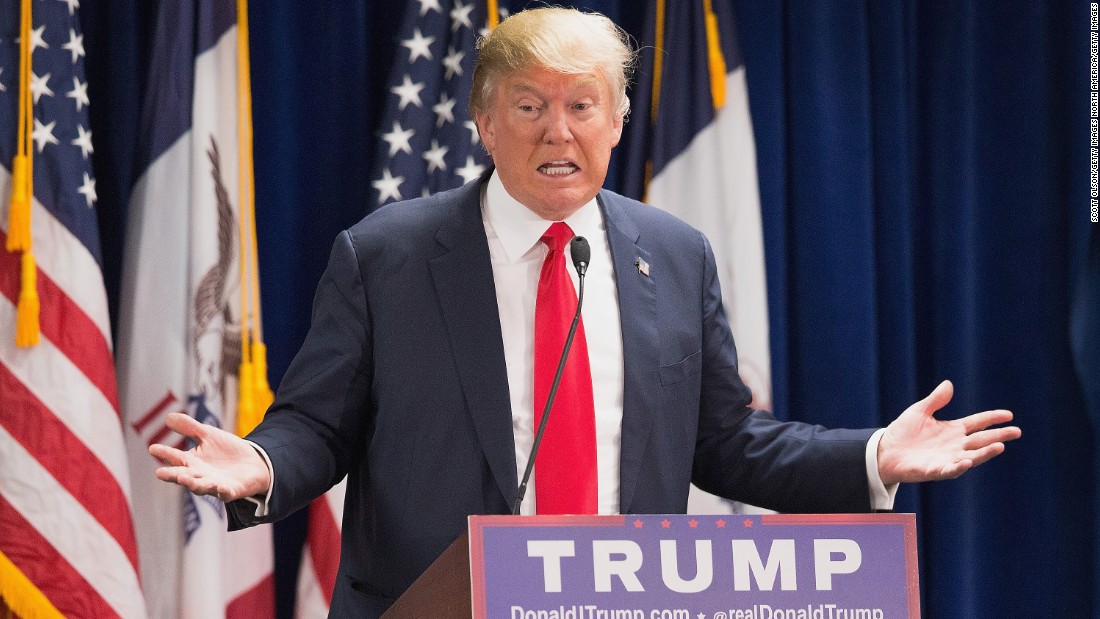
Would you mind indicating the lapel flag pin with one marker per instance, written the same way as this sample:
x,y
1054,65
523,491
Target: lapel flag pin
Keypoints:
x,y
643,266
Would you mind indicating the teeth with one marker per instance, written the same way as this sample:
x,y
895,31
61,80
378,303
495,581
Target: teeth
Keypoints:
x,y
558,168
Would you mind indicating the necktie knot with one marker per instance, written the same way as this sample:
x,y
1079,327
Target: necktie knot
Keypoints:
x,y
557,235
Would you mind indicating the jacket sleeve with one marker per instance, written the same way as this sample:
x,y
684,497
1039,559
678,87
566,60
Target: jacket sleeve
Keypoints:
x,y
313,432
748,455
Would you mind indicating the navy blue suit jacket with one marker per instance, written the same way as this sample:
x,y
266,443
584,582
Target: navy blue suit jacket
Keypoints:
x,y
401,385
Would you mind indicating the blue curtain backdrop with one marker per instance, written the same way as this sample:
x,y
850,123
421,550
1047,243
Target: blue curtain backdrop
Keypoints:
x,y
923,172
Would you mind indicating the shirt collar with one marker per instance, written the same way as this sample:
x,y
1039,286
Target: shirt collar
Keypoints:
x,y
519,229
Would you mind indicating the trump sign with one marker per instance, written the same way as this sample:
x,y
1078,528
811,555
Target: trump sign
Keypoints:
x,y
694,567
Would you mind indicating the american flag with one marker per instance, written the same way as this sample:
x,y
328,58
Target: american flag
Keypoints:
x,y
67,543
428,141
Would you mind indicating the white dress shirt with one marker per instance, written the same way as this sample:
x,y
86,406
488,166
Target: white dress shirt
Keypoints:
x,y
517,254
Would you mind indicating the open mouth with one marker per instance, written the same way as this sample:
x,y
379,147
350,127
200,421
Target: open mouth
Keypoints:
x,y
558,168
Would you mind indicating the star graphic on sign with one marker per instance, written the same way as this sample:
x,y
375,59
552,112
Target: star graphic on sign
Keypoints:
x,y
434,157
638,523
472,126
747,522
88,190
429,5
40,86
444,110
460,16
79,93
408,92
38,38
721,524
2,87
398,139
43,134
388,186
693,523
75,45
419,46
666,523
470,171
453,62
73,5
84,141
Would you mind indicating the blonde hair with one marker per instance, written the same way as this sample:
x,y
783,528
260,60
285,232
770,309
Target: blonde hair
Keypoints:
x,y
558,39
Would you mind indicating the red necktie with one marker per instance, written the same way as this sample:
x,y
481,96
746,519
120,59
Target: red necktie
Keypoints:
x,y
565,468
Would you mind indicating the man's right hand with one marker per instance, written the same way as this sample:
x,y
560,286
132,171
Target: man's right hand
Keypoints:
x,y
221,464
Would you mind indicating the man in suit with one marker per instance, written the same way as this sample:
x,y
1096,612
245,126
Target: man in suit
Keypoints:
x,y
420,377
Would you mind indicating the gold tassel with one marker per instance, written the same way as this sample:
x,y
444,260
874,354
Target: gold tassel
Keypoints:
x,y
715,59
21,596
246,398
264,396
19,218
26,324
20,238
246,385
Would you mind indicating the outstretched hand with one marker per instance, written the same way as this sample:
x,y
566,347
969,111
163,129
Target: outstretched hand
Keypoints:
x,y
221,464
918,447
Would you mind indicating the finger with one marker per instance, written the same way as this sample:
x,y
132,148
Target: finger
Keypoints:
x,y
947,471
196,484
228,494
167,473
168,455
987,453
184,477
955,469
981,421
979,440
939,398
185,425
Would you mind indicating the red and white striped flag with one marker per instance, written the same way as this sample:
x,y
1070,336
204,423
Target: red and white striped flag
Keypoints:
x,y
180,320
67,544
321,554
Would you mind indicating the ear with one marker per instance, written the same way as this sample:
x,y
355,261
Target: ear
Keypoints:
x,y
485,130
617,129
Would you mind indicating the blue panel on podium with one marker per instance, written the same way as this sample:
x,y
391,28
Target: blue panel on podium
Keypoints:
x,y
694,567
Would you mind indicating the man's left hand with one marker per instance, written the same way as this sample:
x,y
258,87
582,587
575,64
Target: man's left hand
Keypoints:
x,y
918,447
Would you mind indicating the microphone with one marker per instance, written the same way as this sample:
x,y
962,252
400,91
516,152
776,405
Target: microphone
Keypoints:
x,y
581,253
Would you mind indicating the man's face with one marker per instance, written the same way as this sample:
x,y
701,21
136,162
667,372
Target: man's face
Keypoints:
x,y
551,135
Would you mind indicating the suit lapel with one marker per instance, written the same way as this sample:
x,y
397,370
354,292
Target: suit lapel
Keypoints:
x,y
463,277
641,355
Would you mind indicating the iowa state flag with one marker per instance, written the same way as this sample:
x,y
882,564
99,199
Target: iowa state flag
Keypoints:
x,y
693,155
180,315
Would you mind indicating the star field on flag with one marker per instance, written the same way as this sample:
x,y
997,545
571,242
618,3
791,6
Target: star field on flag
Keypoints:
x,y
428,142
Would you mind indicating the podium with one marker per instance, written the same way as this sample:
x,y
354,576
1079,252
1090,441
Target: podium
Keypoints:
x,y
673,567
442,591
